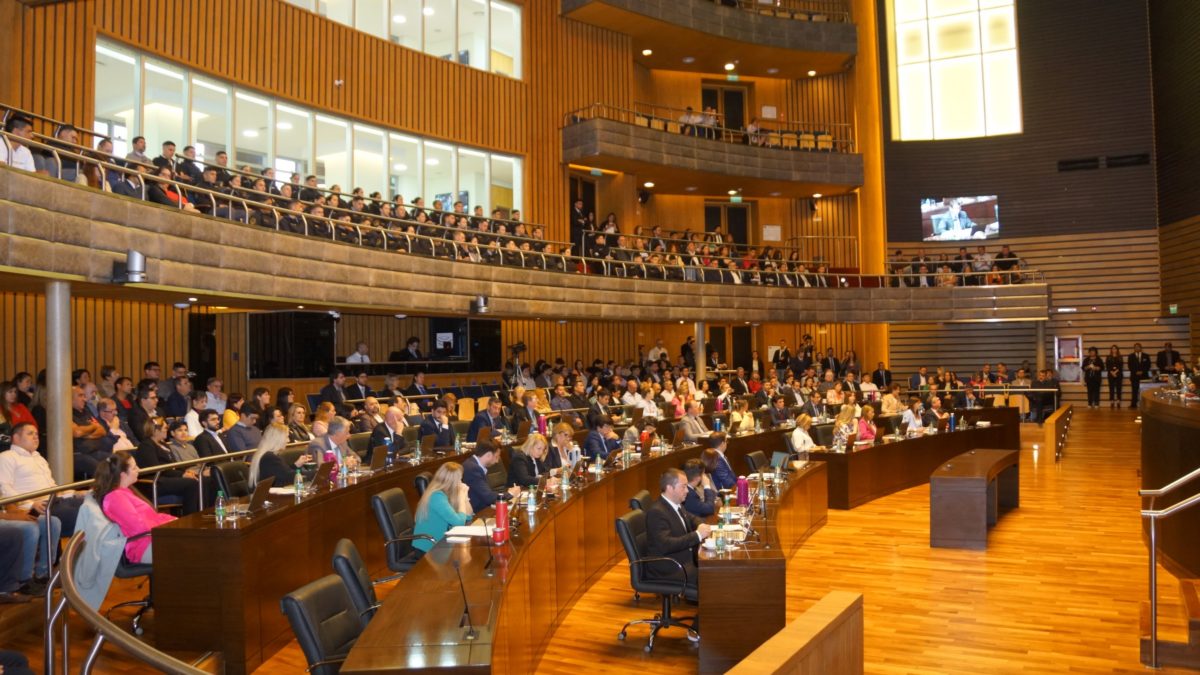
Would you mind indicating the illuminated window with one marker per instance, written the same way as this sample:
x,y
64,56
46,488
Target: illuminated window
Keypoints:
x,y
954,69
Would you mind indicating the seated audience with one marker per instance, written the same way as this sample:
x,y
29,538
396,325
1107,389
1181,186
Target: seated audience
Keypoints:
x,y
128,509
446,503
701,500
266,462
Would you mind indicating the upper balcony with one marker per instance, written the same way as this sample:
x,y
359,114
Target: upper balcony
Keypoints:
x,y
772,38
780,159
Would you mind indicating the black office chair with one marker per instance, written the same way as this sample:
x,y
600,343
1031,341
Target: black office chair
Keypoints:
x,y
349,565
233,478
421,482
396,523
497,476
130,570
324,621
639,501
757,461
631,529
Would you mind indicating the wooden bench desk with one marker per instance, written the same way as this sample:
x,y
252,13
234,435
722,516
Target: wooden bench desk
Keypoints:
x,y
966,493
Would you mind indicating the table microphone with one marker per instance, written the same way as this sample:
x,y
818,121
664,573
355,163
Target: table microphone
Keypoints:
x,y
466,617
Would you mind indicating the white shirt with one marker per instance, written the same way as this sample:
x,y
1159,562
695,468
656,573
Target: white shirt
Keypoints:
x,y
215,403
870,391
690,381
193,423
656,353
21,157
801,441
632,398
649,408
123,442
913,419
358,358
23,471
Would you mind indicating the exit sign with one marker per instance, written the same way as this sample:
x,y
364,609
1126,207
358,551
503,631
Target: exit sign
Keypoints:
x,y
1173,309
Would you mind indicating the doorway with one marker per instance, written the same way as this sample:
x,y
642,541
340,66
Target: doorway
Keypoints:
x,y
582,188
743,345
732,220
729,102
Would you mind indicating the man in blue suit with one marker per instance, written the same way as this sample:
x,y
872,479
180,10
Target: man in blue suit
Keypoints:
x,y
919,379
601,440
723,477
438,424
491,417
475,471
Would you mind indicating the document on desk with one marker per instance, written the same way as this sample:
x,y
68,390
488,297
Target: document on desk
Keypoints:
x,y
469,531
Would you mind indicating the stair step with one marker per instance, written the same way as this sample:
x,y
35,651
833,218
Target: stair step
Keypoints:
x,y
1189,589
1176,654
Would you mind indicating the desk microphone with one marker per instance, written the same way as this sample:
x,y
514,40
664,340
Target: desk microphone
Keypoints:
x,y
466,617
487,567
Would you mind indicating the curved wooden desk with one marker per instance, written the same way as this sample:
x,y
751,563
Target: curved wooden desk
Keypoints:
x,y
519,592
1170,449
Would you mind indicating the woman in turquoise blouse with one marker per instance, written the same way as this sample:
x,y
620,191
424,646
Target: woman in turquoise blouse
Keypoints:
x,y
443,506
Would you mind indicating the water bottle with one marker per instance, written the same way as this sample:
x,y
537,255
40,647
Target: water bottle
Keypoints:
x,y
757,425
298,483
953,422
457,444
219,506
720,538
541,425
531,502
716,424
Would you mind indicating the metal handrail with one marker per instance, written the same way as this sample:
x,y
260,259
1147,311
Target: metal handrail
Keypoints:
x,y
1170,486
1154,516
682,243
106,630
389,238
673,124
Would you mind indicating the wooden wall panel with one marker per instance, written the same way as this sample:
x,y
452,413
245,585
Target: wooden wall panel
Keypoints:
x,y
1174,43
1112,282
1084,66
231,351
383,334
585,340
1178,243
104,332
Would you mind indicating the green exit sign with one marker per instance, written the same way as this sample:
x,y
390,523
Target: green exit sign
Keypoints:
x,y
1173,309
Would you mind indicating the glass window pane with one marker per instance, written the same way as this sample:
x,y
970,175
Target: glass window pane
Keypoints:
x,y
911,43
506,39
944,7
369,171
473,33
958,98
405,166
1002,78
210,118
116,89
916,114
472,179
504,184
370,16
439,28
439,173
333,158
293,135
999,29
908,10
341,11
954,36
253,130
405,23
162,116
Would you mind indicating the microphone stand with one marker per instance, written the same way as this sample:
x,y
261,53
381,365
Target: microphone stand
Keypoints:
x,y
466,617
487,567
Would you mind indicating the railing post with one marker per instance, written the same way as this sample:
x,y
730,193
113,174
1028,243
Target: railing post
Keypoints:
x,y
1153,591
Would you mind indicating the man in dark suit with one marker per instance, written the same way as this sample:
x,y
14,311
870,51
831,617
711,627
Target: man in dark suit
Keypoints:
x,y
361,388
210,442
335,394
390,434
416,389
601,440
475,470
437,424
701,498
967,399
1139,369
882,377
779,411
601,408
488,417
526,412
783,359
412,351
672,532
1165,360
815,408
831,362
145,408
739,384
850,384
336,440
723,475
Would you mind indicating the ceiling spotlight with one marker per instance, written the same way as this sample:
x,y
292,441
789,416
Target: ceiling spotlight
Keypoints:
x,y
400,167
647,52
648,184
812,73
776,193
681,321
730,66
428,11
817,195
399,18
690,188
299,306
732,192
193,299
689,59
401,316
772,71
182,305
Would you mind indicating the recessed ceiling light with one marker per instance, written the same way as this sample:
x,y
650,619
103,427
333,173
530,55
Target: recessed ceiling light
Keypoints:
x,y
193,299
432,161
399,167
776,194
690,188
299,306
812,73
733,192
399,18
730,66
182,305
401,316
250,133
428,11
681,321
816,195
772,71
689,59
648,184
283,126
647,52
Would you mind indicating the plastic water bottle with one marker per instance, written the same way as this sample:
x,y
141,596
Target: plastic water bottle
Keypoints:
x,y
953,422
531,503
457,444
299,483
219,506
720,538
716,424
757,425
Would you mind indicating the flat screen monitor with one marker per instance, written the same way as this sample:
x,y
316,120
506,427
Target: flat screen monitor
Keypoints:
x,y
960,218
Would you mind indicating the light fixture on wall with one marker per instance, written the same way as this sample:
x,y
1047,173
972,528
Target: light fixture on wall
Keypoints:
x,y
479,305
132,270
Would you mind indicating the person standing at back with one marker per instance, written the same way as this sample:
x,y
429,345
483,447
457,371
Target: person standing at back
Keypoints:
x,y
1115,366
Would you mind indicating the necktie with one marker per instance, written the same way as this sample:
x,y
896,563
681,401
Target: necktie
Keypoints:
x,y
686,526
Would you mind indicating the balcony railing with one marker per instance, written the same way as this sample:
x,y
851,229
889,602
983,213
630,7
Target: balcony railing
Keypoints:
x,y
799,10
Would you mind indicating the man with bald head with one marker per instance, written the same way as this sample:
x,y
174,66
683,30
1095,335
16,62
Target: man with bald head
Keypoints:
x,y
388,434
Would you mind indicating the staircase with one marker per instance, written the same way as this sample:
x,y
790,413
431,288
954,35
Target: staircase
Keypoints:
x,y
1179,654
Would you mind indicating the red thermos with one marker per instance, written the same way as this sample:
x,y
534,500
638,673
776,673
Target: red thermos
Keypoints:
x,y
500,532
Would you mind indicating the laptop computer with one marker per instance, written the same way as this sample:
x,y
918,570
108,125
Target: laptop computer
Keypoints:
x,y
779,460
320,481
636,414
427,442
379,458
902,430
679,437
258,499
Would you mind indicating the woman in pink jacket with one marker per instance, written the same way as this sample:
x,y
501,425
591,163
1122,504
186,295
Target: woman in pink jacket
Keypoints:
x,y
128,509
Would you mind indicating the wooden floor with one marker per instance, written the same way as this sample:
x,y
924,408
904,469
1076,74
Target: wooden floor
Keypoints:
x,y
1058,590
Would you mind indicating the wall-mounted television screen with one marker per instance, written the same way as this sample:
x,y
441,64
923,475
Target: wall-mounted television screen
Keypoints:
x,y
960,218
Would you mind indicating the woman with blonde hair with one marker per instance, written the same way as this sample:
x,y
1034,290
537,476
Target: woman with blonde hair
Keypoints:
x,y
801,439
266,462
298,431
324,413
741,419
443,505
528,464
843,426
